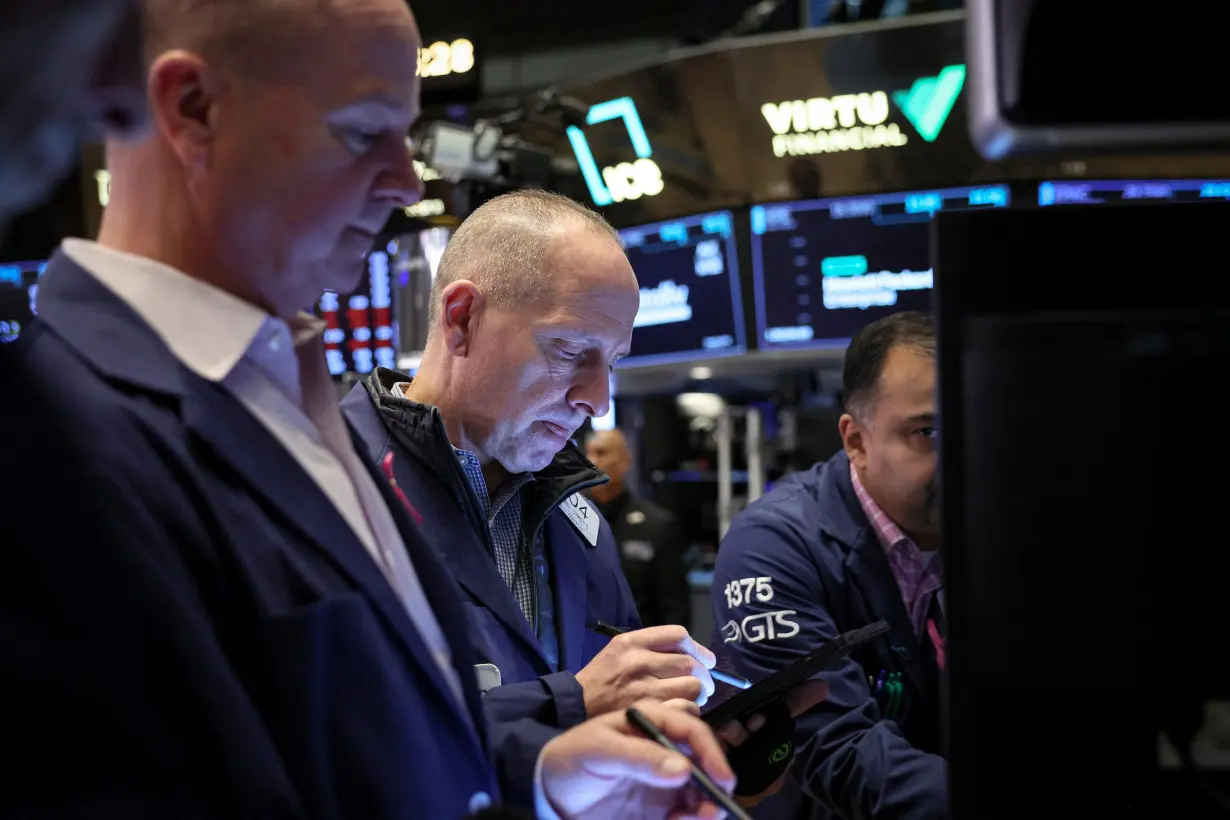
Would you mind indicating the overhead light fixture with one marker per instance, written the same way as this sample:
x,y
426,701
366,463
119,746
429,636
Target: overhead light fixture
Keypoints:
x,y
701,372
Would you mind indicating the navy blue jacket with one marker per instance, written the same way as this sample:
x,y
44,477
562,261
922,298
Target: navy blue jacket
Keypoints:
x,y
223,646
797,568
587,582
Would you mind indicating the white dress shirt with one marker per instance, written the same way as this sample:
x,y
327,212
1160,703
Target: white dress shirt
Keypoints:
x,y
277,371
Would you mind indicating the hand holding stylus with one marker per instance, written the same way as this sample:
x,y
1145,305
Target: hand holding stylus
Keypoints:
x,y
660,663
609,769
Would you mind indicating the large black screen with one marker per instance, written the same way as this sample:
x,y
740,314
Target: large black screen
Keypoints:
x,y
18,291
689,277
825,268
1088,192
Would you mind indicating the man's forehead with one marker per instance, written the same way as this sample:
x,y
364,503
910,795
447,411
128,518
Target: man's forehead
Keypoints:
x,y
367,53
907,383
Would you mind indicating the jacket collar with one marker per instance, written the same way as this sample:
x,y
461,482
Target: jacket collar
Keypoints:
x,y
845,519
867,564
420,428
104,331
113,339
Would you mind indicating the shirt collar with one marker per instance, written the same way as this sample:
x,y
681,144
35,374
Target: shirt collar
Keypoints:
x,y
887,532
206,328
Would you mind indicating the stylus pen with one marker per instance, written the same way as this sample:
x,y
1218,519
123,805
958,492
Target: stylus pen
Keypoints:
x,y
644,725
716,674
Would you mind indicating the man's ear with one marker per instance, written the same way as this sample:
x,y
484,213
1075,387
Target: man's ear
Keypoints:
x,y
853,439
461,304
183,93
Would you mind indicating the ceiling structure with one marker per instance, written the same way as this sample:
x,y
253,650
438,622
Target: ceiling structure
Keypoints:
x,y
518,28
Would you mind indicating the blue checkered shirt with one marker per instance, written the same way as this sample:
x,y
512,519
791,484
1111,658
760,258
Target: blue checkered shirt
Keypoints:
x,y
523,566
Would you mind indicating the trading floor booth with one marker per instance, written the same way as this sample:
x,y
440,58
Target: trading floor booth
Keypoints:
x,y
775,195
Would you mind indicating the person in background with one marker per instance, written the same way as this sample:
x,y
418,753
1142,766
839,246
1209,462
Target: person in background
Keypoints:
x,y
533,302
70,71
650,544
260,630
849,542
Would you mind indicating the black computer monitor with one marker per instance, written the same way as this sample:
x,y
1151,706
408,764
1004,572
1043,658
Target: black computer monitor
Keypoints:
x,y
1097,191
691,300
18,292
824,268
360,333
1083,360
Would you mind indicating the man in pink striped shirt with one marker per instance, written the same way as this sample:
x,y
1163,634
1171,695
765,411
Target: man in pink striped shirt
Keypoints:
x,y
851,541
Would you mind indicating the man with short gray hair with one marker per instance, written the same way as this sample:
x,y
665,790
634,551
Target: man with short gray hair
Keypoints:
x,y
532,305
264,633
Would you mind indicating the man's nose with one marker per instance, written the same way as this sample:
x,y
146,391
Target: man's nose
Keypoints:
x,y
400,185
591,394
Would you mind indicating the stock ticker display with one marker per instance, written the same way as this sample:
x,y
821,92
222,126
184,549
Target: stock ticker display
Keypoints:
x,y
824,268
1090,192
359,329
691,305
18,293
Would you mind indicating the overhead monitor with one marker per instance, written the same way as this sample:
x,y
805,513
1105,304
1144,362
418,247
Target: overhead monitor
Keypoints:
x,y
18,293
359,328
691,306
824,268
1089,192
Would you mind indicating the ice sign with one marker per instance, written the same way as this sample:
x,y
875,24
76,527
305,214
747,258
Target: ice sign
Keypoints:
x,y
328,301
386,357
359,302
707,260
334,336
363,360
384,332
362,334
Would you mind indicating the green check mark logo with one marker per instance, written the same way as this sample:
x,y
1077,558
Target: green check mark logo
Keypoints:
x,y
929,101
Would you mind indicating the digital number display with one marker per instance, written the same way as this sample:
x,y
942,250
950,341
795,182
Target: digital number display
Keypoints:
x,y
18,295
1090,192
691,305
825,268
441,59
360,334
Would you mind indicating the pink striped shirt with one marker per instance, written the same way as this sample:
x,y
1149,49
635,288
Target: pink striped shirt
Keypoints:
x,y
917,572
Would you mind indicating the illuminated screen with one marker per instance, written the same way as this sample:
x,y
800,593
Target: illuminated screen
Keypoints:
x,y
359,329
690,301
1088,192
824,268
18,292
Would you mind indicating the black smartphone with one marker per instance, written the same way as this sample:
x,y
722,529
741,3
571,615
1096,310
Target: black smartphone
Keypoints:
x,y
784,681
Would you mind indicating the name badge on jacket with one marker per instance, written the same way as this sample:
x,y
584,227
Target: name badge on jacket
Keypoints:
x,y
583,516
488,676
